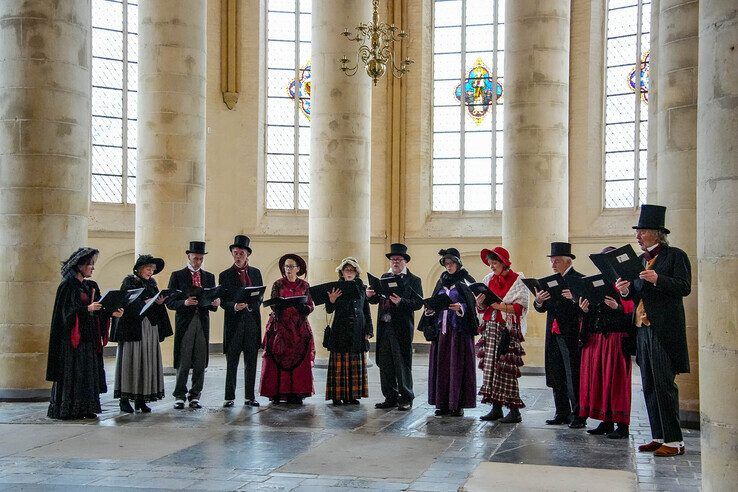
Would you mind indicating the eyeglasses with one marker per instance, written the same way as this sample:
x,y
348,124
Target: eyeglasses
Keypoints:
x,y
397,260
290,267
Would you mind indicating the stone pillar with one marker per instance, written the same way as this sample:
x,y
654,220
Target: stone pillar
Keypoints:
x,y
536,173
676,128
340,146
653,104
717,240
44,175
170,178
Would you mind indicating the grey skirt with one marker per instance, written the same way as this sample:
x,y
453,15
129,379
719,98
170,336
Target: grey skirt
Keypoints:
x,y
139,374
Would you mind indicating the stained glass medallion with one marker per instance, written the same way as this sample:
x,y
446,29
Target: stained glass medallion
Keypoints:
x,y
301,88
479,92
644,76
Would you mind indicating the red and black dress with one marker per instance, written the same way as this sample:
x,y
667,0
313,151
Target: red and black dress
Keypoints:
x,y
289,349
605,376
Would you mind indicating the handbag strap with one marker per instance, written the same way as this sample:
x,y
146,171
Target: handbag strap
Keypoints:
x,y
329,318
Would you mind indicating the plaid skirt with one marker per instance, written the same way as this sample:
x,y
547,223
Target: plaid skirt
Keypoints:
x,y
500,373
347,378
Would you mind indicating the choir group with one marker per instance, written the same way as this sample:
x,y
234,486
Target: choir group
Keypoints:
x,y
594,324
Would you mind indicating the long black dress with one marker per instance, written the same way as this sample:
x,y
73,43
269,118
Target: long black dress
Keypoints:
x,y
77,372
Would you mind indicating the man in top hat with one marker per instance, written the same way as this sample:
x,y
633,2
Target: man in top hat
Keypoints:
x,y
661,335
191,325
562,353
395,329
242,323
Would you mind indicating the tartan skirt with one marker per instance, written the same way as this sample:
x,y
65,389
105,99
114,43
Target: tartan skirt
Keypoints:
x,y
347,379
500,373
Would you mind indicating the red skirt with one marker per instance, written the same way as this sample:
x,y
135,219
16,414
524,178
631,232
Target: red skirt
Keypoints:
x,y
297,382
604,382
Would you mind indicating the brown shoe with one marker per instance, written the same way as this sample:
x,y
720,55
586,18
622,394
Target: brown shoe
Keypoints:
x,y
650,447
667,451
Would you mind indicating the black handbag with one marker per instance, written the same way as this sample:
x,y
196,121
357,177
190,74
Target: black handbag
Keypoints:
x,y
328,334
503,342
428,328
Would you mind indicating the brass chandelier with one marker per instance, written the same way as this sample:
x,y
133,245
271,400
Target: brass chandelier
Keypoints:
x,y
377,48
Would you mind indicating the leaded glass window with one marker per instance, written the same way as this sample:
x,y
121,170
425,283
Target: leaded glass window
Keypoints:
x,y
114,86
626,102
468,37
288,104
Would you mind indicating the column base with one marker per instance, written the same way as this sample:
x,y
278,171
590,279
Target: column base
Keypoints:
x,y
24,395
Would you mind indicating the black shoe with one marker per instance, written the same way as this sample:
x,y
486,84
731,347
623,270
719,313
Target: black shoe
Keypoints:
x,y
457,413
578,423
404,407
336,402
620,433
512,417
440,412
275,400
228,404
125,405
93,416
558,420
494,414
603,428
179,404
251,403
352,402
294,400
385,404
195,404
144,408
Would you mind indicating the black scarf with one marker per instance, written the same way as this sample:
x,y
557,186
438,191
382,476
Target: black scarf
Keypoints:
x,y
450,279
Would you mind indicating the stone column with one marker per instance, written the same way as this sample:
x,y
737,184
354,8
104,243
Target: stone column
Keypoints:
x,y
44,175
536,174
676,142
717,240
340,146
653,104
170,178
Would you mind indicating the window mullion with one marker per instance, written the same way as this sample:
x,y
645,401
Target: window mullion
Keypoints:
x,y
296,112
495,71
124,112
637,124
462,121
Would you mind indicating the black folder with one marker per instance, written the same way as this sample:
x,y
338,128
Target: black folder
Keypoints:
x,y
595,288
489,296
603,265
625,262
248,295
438,302
205,296
386,286
285,302
553,284
170,294
113,300
349,291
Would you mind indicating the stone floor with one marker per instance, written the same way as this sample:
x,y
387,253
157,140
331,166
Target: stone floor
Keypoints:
x,y
320,447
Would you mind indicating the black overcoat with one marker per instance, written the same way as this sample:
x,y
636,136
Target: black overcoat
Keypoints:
x,y
566,312
352,322
127,328
664,303
229,278
402,323
470,309
182,280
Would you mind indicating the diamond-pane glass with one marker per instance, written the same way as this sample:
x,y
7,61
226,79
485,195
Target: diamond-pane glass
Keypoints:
x,y
288,104
468,91
626,101
114,125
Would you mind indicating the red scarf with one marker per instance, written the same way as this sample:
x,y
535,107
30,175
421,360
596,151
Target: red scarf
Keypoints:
x,y
500,285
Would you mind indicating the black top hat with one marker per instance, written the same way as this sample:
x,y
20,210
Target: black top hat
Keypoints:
x,y
398,249
197,247
242,242
148,259
450,253
561,249
652,217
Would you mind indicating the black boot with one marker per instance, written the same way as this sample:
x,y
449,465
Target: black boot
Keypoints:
x,y
512,417
494,414
603,428
141,405
620,433
125,405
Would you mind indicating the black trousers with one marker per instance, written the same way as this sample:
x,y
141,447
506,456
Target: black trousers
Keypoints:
x,y
395,362
659,389
565,375
245,342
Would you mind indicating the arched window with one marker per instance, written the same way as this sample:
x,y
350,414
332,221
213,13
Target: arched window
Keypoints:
x,y
114,85
626,107
468,37
288,104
